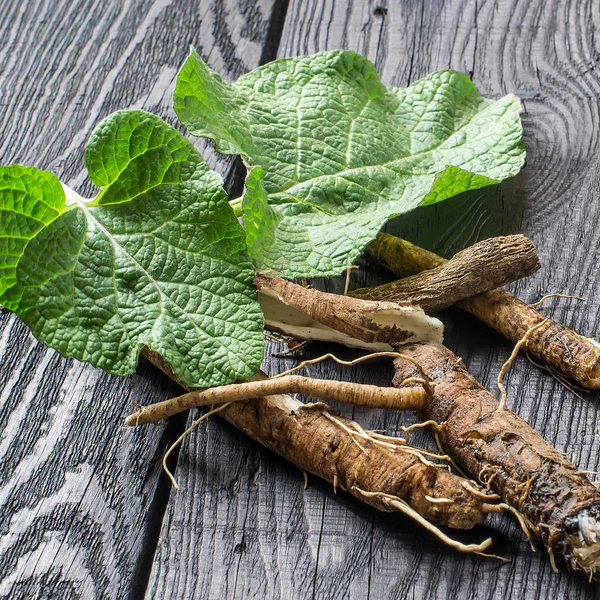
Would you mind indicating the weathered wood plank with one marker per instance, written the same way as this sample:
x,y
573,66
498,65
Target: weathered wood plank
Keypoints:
x,y
249,531
81,497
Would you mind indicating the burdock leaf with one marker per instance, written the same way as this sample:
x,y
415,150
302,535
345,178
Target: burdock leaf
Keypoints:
x,y
341,153
157,259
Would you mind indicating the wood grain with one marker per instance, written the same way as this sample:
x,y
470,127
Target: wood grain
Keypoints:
x,y
81,500
244,528
81,496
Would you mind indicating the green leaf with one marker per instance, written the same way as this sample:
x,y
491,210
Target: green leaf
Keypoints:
x,y
341,153
157,259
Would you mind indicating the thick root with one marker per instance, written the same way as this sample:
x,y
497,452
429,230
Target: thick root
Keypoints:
x,y
310,437
558,503
558,346
307,314
325,444
410,398
482,267
572,355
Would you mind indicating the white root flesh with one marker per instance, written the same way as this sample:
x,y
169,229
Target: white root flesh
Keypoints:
x,y
308,314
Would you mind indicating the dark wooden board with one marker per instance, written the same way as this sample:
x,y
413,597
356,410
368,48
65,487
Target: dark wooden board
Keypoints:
x,y
242,527
81,496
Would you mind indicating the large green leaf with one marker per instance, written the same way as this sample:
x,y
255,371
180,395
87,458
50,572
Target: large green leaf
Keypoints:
x,y
157,259
341,153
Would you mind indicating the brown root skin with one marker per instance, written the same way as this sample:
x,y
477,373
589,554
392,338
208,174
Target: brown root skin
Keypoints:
x,y
499,448
316,444
558,346
411,398
308,314
482,267
312,439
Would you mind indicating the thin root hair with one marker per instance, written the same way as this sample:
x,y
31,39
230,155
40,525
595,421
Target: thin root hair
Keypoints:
x,y
182,437
511,358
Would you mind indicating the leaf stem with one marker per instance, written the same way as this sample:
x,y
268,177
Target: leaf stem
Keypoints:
x,y
236,205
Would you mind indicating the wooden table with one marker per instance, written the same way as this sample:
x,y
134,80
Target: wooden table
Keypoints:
x,y
84,509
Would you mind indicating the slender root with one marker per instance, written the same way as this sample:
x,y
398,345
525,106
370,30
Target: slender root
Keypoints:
x,y
511,358
212,406
412,398
399,447
305,479
401,506
138,411
420,454
482,473
488,483
394,444
347,430
182,437
386,438
349,270
433,454
439,500
486,507
358,430
401,444
552,561
524,524
548,296
527,486
384,443
438,443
